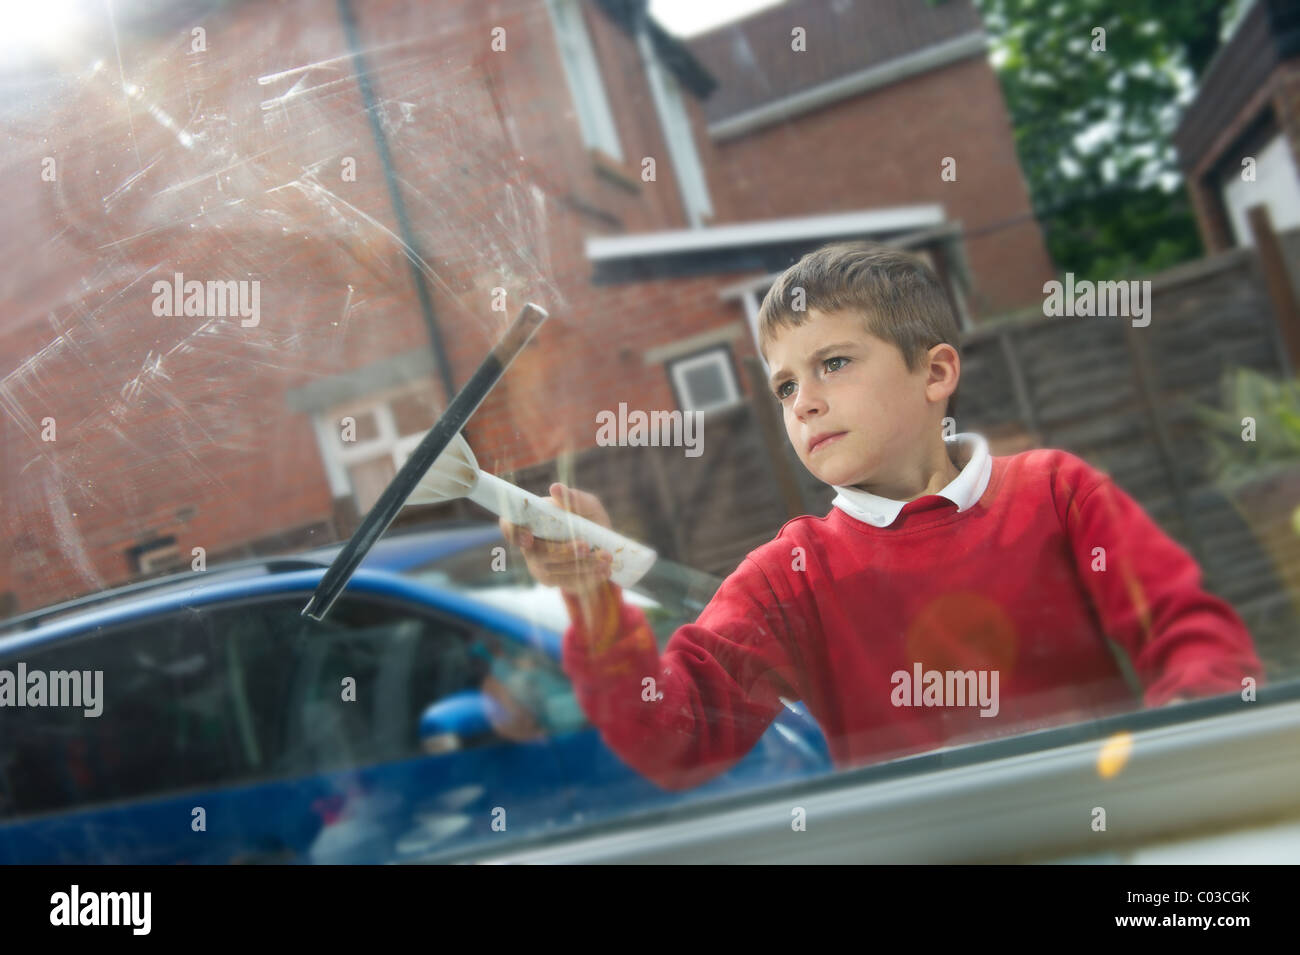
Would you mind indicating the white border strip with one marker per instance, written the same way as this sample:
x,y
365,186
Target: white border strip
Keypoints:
x,y
763,232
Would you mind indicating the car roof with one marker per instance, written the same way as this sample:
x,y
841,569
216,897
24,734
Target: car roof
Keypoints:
x,y
395,553
207,591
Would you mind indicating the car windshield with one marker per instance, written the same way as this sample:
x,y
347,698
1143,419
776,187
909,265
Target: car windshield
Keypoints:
x,y
925,373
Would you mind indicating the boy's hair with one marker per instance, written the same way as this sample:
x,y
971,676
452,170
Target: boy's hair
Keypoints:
x,y
896,293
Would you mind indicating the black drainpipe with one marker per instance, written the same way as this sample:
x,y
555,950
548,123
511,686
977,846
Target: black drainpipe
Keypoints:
x,y
413,253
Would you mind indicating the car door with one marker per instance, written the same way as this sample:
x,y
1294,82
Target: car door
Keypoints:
x,y
246,732
341,705
164,725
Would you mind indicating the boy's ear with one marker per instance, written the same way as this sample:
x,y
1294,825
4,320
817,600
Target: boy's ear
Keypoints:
x,y
930,358
951,405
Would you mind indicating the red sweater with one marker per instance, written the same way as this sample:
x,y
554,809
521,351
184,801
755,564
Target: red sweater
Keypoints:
x,y
835,610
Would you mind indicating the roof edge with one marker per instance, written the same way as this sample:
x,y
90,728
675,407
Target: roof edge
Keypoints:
x,y
929,58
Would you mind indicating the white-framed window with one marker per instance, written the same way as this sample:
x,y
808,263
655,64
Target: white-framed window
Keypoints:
x,y
1276,184
362,456
161,558
676,124
582,72
706,380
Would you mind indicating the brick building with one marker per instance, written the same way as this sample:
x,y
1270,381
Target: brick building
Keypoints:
x,y
861,117
397,180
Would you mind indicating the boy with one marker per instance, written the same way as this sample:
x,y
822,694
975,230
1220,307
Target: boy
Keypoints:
x,y
948,594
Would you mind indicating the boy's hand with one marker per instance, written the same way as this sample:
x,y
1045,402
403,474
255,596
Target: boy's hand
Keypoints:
x,y
570,565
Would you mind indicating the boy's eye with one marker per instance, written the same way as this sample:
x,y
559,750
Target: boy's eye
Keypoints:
x,y
782,394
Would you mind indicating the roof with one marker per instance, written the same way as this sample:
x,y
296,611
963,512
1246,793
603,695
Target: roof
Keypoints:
x,y
754,64
1268,35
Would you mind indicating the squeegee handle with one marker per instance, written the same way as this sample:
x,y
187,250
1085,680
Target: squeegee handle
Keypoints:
x,y
549,522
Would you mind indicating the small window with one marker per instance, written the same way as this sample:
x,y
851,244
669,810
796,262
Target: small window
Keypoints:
x,y
705,381
369,478
156,556
366,428
218,696
161,559
1276,183
361,459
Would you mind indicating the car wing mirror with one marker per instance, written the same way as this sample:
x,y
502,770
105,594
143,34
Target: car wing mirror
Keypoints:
x,y
446,724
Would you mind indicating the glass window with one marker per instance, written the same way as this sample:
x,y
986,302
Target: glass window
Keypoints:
x,y
582,70
241,282
676,125
363,444
705,381
167,720
218,696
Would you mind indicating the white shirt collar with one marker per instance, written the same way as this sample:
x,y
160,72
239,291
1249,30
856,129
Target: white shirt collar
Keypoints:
x,y
964,490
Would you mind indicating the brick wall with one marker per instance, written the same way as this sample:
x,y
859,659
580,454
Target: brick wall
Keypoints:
x,y
885,148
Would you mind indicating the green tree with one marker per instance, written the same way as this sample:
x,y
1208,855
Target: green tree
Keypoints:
x,y
1094,125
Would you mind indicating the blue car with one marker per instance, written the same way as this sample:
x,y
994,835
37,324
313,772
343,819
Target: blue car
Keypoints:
x,y
426,716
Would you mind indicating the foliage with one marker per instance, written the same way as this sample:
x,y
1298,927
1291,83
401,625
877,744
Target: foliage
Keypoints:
x,y
1274,404
1094,129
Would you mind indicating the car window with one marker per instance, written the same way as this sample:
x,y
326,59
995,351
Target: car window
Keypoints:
x,y
394,662
166,719
255,691
346,691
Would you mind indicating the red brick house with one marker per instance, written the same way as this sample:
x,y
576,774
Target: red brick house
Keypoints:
x,y
862,117
398,179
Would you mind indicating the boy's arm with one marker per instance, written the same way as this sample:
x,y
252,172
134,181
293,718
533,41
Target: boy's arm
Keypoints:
x,y
716,688
1184,642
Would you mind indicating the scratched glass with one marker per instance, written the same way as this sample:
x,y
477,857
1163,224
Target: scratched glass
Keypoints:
x,y
251,252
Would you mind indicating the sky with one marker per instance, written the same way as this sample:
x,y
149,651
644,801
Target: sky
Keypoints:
x,y
688,17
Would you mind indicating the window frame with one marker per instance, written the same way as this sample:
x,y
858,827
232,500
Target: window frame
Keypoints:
x,y
679,136
582,74
719,354
388,444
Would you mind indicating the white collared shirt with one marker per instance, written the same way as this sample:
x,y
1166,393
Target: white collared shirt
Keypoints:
x,y
964,490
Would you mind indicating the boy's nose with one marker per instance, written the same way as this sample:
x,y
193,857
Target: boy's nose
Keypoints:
x,y
808,403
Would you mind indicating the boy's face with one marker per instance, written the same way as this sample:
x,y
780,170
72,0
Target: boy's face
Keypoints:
x,y
833,377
